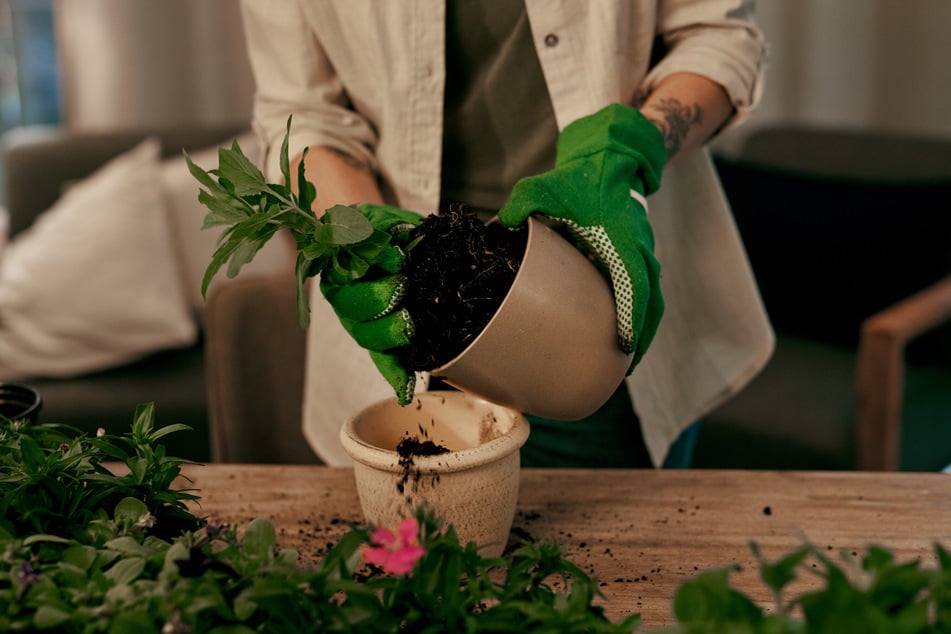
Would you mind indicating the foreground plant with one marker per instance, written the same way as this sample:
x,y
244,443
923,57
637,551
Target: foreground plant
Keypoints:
x,y
54,480
86,550
872,593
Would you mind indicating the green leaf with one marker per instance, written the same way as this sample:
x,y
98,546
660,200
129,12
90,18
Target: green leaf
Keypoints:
x,y
170,429
128,545
285,161
234,166
125,571
343,225
781,573
222,210
129,510
302,269
306,193
259,539
44,538
143,420
81,556
708,598
48,617
31,454
135,622
200,174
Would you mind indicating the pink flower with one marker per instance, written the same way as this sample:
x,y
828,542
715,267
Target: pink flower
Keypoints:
x,y
396,554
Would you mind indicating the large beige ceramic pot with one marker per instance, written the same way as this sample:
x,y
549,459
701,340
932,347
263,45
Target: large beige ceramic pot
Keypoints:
x,y
551,349
474,486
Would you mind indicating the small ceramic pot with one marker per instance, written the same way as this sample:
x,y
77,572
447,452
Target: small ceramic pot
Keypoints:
x,y
551,349
474,486
19,402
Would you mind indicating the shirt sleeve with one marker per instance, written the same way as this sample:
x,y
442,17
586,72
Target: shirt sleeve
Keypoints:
x,y
717,39
294,77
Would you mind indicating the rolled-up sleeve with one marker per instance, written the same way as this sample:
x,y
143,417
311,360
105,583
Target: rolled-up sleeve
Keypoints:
x,y
294,77
717,39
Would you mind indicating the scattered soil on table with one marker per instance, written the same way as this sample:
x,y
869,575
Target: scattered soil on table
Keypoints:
x,y
458,274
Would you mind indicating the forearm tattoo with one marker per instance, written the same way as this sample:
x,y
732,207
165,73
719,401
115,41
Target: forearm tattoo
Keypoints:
x,y
674,120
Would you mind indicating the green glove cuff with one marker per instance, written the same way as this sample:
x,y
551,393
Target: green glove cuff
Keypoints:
x,y
621,129
402,382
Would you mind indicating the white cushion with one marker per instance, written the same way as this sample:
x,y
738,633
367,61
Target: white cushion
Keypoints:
x,y
94,283
195,246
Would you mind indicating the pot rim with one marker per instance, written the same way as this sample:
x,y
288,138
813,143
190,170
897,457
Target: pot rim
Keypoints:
x,y
452,461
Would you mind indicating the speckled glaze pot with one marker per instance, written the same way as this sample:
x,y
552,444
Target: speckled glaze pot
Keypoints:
x,y
474,486
551,349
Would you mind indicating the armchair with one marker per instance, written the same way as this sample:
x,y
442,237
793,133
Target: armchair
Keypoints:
x,y
40,163
849,236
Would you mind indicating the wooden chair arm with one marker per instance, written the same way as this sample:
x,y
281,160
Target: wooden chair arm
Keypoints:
x,y
880,372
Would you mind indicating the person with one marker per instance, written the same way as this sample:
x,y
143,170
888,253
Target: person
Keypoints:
x,y
572,110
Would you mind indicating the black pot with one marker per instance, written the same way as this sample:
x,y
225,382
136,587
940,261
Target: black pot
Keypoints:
x,y
19,402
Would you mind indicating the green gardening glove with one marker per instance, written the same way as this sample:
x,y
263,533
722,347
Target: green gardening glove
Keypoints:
x,y
369,308
606,164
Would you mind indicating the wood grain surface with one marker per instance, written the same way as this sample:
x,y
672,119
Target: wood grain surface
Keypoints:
x,y
641,533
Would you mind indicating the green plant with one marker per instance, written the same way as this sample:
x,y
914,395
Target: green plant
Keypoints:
x,y
253,210
88,550
82,552
871,593
53,479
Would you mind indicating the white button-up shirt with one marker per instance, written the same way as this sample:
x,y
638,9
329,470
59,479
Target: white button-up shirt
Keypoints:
x,y
366,77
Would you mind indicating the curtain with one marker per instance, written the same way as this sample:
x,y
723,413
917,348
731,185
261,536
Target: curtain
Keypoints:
x,y
869,64
129,63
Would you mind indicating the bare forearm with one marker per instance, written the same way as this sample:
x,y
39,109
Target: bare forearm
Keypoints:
x,y
688,109
338,179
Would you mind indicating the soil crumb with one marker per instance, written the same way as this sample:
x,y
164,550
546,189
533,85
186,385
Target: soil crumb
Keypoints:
x,y
407,449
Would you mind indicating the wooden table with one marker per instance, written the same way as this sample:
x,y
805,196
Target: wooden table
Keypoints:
x,y
641,533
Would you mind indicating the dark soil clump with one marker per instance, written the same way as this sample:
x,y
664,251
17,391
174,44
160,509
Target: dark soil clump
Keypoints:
x,y
458,275
407,449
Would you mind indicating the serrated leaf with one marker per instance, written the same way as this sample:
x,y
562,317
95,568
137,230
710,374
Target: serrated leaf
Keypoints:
x,y
201,175
344,225
222,211
237,169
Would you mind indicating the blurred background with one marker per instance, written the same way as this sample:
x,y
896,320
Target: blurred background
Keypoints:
x,y
878,64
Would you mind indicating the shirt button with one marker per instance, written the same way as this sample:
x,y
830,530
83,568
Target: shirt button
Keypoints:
x,y
551,40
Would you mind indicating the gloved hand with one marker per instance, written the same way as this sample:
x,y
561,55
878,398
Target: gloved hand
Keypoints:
x,y
605,166
369,308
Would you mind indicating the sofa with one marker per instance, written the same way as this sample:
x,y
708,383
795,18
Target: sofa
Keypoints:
x,y
101,384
